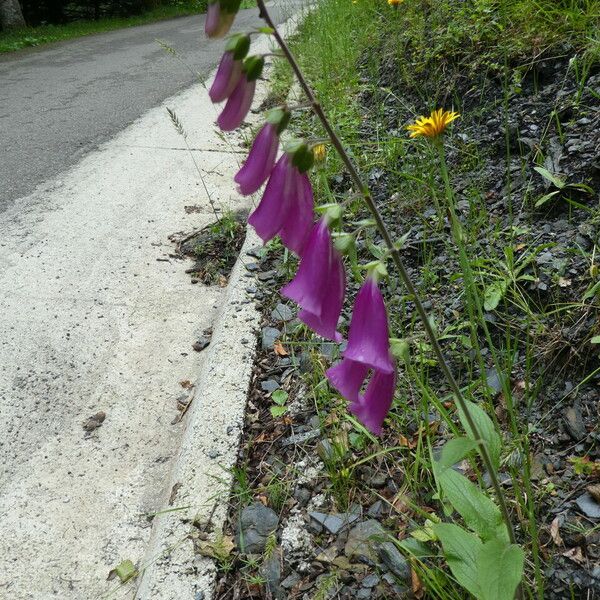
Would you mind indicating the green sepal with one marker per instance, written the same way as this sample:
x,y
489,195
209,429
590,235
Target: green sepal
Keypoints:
x,y
302,156
253,67
279,117
334,213
238,44
376,269
230,6
344,243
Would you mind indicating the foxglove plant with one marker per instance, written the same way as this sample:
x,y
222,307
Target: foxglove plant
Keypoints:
x,y
230,68
260,161
320,283
368,349
240,99
286,208
220,15
319,288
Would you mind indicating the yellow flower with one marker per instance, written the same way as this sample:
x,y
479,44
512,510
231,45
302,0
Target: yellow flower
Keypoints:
x,y
395,2
319,152
433,125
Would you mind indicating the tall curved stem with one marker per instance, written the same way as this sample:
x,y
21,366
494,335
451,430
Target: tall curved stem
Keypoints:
x,y
395,254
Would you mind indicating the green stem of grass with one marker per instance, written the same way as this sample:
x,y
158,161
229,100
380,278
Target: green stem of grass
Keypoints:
x,y
387,238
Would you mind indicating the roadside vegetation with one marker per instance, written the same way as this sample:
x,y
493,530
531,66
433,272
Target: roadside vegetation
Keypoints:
x,y
500,231
84,21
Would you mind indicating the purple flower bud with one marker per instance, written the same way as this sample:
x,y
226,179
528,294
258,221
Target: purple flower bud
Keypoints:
x,y
211,24
372,408
325,324
227,77
220,15
238,104
260,161
368,338
320,283
286,207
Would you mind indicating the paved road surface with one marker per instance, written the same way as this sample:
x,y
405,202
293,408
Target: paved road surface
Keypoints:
x,y
94,313
59,102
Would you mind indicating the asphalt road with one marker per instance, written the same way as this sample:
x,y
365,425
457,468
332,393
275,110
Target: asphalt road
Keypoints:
x,y
61,101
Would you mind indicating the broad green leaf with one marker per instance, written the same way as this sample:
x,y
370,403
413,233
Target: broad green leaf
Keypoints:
x,y
499,570
277,411
479,512
461,549
455,450
553,179
493,294
595,289
279,397
486,429
595,340
545,198
415,548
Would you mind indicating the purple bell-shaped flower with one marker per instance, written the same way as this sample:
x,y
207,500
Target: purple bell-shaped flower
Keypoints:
x,y
260,161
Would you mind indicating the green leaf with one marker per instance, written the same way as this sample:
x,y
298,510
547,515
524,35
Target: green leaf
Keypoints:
x,y
582,186
277,411
479,512
493,294
553,179
499,570
455,450
415,548
279,397
595,340
124,571
595,289
545,198
486,429
461,550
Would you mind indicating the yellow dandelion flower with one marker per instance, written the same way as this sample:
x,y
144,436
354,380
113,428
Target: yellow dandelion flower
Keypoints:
x,y
319,152
395,2
433,125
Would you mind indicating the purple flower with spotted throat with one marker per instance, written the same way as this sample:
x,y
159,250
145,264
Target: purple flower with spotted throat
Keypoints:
x,y
230,67
239,101
286,207
260,161
368,350
320,283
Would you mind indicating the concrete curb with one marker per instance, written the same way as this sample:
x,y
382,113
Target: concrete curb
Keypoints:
x,y
200,478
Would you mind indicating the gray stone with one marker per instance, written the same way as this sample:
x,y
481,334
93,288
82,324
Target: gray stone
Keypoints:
x,y
370,580
363,540
257,523
574,422
588,506
269,386
390,556
363,594
252,267
333,523
201,343
271,571
269,336
376,509
291,580
301,438
282,313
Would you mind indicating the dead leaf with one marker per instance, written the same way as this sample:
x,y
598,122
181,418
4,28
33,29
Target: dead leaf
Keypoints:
x,y
222,281
594,491
562,282
575,554
417,586
186,384
404,441
220,548
554,531
125,571
279,349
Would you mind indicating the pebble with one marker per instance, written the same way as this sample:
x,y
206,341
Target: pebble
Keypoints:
x,y
269,386
291,580
201,343
257,522
282,313
333,523
588,506
269,336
